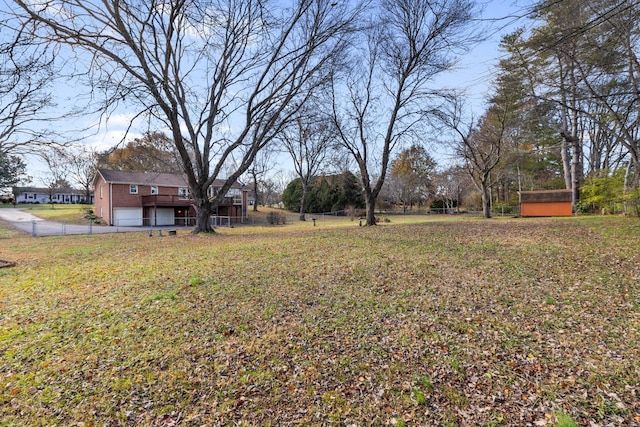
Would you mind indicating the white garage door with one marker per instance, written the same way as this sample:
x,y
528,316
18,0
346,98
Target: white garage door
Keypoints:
x,y
127,217
162,216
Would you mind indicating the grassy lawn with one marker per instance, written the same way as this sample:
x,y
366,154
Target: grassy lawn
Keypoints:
x,y
70,214
447,321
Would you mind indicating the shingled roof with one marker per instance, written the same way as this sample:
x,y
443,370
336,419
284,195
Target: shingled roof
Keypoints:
x,y
151,178
545,196
143,178
46,190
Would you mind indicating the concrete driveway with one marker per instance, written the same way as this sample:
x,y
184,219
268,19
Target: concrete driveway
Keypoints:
x,y
24,221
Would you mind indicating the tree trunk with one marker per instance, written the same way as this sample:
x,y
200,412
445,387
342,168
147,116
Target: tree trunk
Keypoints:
x,y
370,201
303,202
486,200
632,183
575,171
255,193
564,132
203,213
635,164
566,162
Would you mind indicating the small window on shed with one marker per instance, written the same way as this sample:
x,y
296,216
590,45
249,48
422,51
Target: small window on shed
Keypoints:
x,y
133,189
154,189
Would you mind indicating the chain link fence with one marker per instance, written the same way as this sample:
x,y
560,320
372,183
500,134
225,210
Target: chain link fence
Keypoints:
x,y
51,228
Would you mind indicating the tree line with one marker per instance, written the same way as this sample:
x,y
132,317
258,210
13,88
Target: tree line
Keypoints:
x,y
565,107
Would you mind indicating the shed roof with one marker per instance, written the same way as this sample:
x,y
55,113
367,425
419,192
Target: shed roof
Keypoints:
x,y
542,196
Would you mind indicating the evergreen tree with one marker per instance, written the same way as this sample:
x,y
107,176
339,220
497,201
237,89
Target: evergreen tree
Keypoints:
x,y
325,194
12,170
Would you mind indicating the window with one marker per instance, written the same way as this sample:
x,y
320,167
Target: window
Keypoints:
x,y
236,194
183,193
101,193
133,189
154,189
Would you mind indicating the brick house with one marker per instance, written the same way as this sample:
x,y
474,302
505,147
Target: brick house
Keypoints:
x,y
546,203
155,199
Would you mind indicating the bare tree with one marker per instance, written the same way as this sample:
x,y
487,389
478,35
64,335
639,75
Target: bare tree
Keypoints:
x,y
58,171
385,97
480,146
451,185
82,166
308,140
276,184
224,76
261,165
269,191
26,73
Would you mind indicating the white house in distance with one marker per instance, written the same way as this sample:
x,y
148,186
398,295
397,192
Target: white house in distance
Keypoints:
x,y
46,195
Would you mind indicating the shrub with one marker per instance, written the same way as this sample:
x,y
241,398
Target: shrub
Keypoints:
x,y
441,205
584,207
602,191
503,208
275,218
90,216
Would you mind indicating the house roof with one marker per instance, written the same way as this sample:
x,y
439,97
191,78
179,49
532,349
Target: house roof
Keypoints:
x,y
45,190
143,178
151,178
545,196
